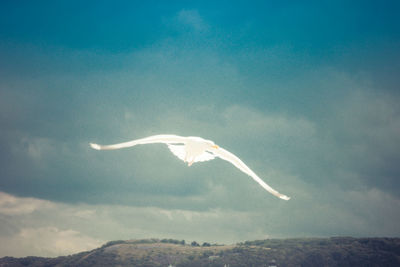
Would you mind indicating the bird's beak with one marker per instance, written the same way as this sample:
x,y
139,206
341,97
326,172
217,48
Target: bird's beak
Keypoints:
x,y
215,146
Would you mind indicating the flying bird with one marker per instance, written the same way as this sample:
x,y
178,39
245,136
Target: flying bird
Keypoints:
x,y
193,149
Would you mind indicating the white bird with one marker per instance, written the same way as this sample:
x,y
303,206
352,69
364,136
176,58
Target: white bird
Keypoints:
x,y
193,149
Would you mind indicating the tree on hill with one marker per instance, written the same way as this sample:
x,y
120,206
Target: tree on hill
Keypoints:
x,y
195,244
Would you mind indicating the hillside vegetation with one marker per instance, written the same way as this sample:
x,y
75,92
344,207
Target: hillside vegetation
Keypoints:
x,y
338,251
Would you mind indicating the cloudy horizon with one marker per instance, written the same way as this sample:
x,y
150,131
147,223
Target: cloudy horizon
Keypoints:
x,y
305,94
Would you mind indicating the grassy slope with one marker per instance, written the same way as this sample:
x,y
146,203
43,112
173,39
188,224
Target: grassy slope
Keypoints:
x,y
279,252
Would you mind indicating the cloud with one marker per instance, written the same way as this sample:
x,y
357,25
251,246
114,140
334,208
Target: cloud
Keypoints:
x,y
266,125
320,163
62,229
28,228
192,19
325,137
46,242
11,205
363,139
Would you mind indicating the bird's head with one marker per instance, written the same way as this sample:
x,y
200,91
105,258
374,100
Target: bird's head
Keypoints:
x,y
212,145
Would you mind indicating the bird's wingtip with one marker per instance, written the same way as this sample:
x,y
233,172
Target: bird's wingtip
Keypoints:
x,y
284,197
95,146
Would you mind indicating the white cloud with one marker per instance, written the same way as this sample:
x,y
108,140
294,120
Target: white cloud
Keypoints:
x,y
85,213
11,205
61,229
33,233
46,241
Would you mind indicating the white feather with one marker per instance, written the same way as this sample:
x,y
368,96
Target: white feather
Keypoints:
x,y
178,150
204,157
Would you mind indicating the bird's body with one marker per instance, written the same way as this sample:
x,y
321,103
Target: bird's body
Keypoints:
x,y
193,149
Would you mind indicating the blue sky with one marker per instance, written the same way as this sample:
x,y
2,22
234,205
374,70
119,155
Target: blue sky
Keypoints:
x,y
305,93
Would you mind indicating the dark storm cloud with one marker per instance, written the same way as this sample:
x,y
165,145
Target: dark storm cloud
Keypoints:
x,y
316,117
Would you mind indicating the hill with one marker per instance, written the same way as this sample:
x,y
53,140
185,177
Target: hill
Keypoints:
x,y
336,251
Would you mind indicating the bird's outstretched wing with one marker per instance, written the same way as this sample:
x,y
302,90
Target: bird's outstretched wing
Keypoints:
x,y
164,138
228,156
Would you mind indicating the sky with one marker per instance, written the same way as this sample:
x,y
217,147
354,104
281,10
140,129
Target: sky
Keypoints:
x,y
306,94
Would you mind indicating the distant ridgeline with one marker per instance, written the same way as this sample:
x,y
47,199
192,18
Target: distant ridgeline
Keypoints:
x,y
335,251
